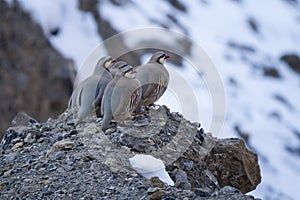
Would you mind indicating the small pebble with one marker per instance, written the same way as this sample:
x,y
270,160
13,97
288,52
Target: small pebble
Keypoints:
x,y
18,145
63,145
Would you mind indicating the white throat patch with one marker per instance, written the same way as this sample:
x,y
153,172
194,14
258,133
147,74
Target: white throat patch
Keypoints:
x,y
162,60
130,75
107,64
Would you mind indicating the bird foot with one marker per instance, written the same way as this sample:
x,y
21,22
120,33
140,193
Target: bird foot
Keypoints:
x,y
110,129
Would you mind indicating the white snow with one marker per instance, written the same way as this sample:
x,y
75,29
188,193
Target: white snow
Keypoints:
x,y
212,25
149,167
78,31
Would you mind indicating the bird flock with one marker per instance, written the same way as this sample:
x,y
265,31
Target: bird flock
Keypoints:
x,y
117,91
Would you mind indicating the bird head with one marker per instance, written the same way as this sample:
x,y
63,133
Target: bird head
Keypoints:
x,y
103,62
159,57
128,72
109,62
116,66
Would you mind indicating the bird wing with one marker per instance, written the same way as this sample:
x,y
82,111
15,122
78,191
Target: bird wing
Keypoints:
x,y
154,80
120,97
155,89
102,83
135,99
161,86
106,98
78,97
148,89
74,97
146,80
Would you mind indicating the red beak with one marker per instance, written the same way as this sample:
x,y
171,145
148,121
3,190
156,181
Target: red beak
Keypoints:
x,y
113,61
133,72
167,56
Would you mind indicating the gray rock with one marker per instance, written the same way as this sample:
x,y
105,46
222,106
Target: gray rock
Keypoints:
x,y
292,60
22,119
31,70
89,163
203,192
181,180
234,165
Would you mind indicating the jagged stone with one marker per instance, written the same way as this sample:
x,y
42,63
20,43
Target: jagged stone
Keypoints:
x,y
234,165
22,119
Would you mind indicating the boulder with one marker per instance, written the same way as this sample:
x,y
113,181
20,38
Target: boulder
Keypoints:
x,y
234,165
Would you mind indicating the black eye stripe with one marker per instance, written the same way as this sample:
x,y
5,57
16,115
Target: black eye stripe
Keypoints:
x,y
127,71
122,66
161,56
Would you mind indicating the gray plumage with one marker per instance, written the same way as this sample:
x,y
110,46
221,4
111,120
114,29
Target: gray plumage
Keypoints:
x,y
121,96
89,93
115,67
154,79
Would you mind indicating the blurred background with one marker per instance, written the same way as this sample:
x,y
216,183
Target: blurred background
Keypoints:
x,y
254,44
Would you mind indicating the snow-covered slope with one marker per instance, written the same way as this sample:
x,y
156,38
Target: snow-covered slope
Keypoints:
x,y
244,38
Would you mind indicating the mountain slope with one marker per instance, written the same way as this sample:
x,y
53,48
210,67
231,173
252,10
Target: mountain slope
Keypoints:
x,y
248,40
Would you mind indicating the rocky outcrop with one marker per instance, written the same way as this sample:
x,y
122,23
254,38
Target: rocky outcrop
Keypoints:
x,y
34,77
66,158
